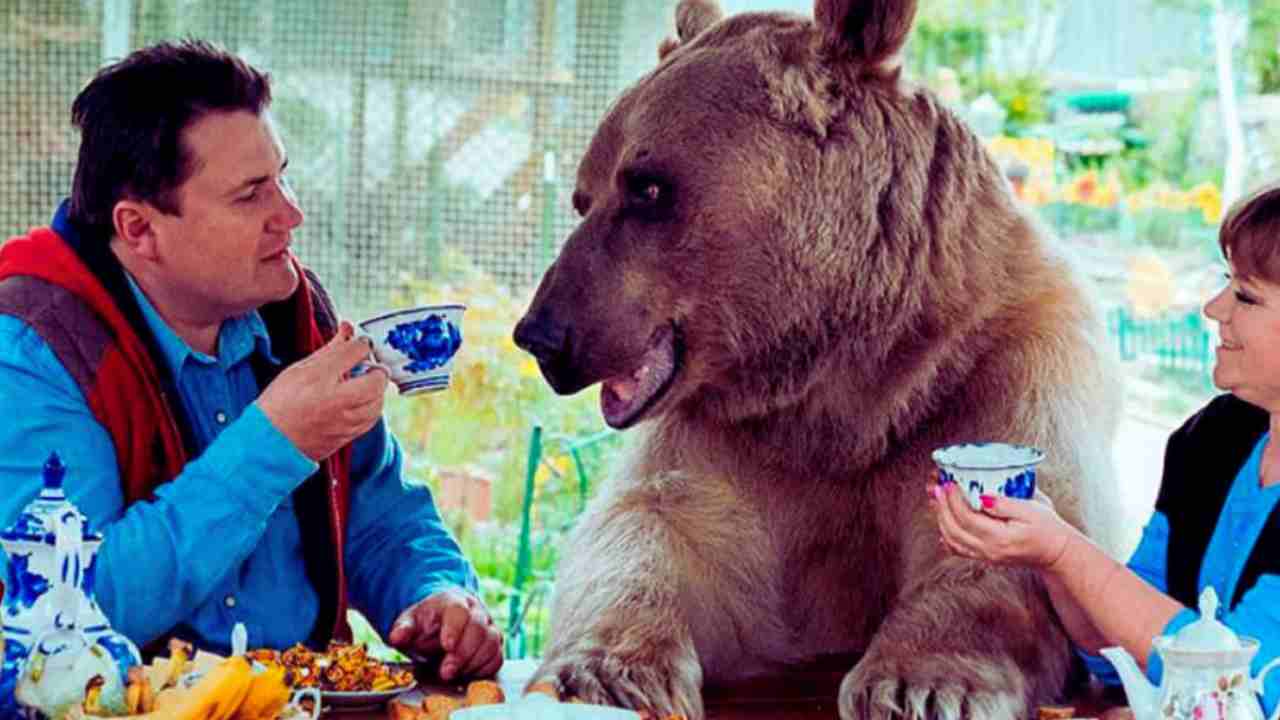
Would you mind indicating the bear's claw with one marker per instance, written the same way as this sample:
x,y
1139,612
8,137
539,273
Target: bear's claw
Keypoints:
x,y
866,694
597,677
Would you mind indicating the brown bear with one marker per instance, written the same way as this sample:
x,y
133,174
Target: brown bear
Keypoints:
x,y
797,275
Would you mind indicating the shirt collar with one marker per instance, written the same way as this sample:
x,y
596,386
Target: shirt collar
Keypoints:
x,y
238,337
61,224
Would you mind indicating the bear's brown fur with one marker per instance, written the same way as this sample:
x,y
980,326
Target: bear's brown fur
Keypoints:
x,y
804,275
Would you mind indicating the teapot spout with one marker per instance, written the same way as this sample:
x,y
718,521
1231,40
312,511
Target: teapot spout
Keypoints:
x,y
1143,696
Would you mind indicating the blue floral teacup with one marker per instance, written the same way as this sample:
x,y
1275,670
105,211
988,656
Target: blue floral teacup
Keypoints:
x,y
417,345
989,468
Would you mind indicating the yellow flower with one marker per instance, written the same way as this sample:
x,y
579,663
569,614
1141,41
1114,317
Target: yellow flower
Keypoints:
x,y
1208,199
1211,210
1083,189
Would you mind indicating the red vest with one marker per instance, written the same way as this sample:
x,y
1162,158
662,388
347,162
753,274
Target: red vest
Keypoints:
x,y
47,283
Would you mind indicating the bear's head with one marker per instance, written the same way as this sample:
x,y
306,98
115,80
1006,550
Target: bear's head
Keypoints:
x,y
771,208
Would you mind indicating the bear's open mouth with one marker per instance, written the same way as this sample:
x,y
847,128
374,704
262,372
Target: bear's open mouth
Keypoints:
x,y
625,399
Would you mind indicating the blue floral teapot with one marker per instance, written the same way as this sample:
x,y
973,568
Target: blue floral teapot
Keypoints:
x,y
56,637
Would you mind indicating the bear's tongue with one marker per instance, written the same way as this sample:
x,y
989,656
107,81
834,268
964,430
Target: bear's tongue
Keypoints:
x,y
623,398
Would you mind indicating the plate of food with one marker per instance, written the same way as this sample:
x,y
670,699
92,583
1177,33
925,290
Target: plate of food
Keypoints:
x,y
486,700
540,707
344,674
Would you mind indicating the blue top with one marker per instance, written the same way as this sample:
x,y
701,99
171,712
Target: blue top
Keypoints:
x,y
220,544
1257,614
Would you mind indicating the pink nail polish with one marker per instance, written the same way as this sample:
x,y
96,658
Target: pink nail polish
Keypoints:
x,y
988,502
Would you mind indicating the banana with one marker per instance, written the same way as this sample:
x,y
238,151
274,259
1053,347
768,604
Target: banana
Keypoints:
x,y
179,654
231,690
217,695
267,695
133,691
138,695
93,696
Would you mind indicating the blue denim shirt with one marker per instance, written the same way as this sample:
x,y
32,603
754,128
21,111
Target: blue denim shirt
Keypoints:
x,y
220,544
1257,614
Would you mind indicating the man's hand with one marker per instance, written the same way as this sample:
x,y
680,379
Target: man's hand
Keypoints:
x,y
317,406
454,623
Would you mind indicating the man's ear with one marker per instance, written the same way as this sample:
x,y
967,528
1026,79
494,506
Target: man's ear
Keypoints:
x,y
134,227
692,17
869,31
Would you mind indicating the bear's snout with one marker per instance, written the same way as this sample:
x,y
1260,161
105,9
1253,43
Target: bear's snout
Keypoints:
x,y
547,340
540,336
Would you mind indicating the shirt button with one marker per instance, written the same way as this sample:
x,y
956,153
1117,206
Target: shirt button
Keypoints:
x,y
229,601
221,417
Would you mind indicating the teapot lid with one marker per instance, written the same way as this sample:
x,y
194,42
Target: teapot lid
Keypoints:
x,y
1207,632
38,521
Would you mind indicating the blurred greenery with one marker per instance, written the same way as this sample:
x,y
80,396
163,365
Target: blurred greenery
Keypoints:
x,y
496,392
1263,44
1024,97
484,420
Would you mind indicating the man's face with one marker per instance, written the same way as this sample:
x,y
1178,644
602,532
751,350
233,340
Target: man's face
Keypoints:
x,y
226,251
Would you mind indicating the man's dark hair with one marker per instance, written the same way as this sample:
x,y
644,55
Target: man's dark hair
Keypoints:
x,y
132,116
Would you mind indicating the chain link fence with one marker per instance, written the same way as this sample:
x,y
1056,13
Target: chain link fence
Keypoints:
x,y
415,128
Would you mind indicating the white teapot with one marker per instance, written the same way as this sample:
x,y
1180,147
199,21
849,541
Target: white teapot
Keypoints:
x,y
56,637
1206,673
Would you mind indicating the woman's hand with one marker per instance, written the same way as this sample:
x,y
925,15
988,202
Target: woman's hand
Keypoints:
x,y
1006,530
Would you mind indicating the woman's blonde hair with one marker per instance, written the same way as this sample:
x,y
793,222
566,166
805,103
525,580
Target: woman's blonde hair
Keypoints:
x,y
1250,235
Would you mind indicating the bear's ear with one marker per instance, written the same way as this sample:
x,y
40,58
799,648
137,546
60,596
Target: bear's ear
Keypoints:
x,y
871,31
692,17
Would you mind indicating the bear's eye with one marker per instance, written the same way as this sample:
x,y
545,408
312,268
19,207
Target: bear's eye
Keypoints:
x,y
647,193
644,191
650,192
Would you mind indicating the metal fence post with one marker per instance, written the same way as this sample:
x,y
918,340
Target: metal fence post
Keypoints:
x,y
515,618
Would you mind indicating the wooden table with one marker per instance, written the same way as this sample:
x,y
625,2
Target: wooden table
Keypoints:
x,y
801,695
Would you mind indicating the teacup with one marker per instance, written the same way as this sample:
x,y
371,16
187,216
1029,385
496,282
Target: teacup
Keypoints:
x,y
989,468
417,345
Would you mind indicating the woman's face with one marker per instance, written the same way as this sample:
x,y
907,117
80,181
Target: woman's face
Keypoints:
x,y
1248,314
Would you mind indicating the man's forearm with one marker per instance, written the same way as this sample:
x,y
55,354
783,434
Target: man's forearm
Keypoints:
x,y
398,548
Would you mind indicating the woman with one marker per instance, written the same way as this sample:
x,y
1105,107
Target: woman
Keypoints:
x,y
1215,521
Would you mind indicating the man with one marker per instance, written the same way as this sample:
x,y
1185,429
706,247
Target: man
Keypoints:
x,y
163,339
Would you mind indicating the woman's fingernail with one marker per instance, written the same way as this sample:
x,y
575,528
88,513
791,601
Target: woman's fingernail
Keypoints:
x,y
988,501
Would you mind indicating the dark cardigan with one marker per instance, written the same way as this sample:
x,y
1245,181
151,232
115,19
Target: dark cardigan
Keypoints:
x,y
1201,462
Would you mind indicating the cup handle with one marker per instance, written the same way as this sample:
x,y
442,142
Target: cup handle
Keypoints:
x,y
295,702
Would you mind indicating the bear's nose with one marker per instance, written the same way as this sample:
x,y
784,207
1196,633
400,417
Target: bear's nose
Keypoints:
x,y
539,336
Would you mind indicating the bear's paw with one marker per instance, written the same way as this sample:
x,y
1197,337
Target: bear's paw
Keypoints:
x,y
659,686
880,689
